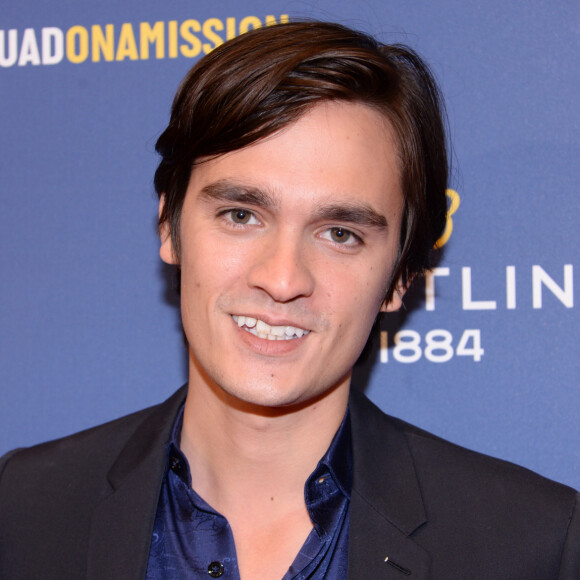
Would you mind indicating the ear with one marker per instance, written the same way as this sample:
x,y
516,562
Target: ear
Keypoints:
x,y
396,300
166,251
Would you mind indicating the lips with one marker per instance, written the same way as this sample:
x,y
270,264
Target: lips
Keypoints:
x,y
266,331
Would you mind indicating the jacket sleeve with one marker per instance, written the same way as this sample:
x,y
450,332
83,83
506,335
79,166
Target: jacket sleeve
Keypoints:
x,y
6,458
570,566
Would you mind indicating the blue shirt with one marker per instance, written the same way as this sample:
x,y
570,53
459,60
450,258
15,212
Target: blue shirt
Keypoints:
x,y
192,540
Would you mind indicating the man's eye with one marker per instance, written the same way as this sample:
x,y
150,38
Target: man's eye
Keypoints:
x,y
241,216
342,236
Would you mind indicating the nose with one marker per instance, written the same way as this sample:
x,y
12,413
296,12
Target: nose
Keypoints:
x,y
281,269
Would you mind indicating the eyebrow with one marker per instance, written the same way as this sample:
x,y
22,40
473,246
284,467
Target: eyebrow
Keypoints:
x,y
226,190
359,214
350,212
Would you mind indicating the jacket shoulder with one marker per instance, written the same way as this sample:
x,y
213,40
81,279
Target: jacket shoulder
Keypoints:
x,y
89,445
49,493
82,456
463,507
510,513
441,460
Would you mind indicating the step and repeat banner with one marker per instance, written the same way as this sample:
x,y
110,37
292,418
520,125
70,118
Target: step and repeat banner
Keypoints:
x,y
486,352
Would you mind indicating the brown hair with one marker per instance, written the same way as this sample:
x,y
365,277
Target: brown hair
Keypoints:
x,y
261,81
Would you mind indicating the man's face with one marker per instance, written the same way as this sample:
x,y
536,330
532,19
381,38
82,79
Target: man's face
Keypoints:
x,y
287,247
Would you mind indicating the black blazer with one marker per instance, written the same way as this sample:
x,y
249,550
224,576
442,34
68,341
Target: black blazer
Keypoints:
x,y
421,508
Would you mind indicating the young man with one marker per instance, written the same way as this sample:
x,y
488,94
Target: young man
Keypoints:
x,y
302,186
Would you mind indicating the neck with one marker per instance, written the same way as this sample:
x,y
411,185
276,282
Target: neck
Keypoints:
x,y
245,455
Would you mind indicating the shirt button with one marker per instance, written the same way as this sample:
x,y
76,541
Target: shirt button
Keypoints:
x,y
215,569
175,464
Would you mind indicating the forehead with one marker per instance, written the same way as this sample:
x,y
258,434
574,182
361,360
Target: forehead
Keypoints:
x,y
335,152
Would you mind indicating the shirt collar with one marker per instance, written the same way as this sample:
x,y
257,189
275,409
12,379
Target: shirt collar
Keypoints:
x,y
338,458
176,460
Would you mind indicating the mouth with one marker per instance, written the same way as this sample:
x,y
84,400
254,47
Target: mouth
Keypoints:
x,y
266,331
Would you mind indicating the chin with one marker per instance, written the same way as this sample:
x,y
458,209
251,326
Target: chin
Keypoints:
x,y
269,399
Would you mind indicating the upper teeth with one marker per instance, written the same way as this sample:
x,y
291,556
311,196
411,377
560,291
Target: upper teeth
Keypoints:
x,y
262,330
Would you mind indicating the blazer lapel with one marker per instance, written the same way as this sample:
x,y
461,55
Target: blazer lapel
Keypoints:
x,y
386,503
123,521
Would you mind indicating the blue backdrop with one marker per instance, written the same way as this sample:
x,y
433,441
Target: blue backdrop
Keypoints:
x,y
486,353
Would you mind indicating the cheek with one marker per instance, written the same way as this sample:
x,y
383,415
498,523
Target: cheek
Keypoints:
x,y
209,272
229,262
359,300
376,282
